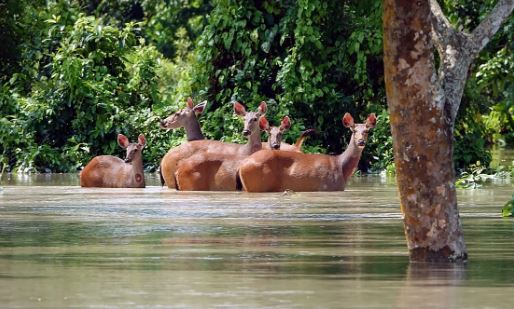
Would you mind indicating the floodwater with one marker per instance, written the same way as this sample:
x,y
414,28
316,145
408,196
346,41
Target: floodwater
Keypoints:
x,y
62,246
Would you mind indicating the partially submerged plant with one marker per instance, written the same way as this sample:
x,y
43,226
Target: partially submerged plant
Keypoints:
x,y
474,178
508,207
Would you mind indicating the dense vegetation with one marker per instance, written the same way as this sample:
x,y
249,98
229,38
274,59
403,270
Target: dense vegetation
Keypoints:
x,y
74,73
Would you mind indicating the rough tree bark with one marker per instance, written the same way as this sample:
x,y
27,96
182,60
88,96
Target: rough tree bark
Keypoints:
x,y
423,102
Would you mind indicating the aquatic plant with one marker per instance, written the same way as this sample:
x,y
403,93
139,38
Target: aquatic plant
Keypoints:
x,y
476,177
507,208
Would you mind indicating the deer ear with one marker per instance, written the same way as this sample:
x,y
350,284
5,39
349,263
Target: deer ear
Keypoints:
x,y
348,120
263,107
285,124
371,121
123,141
200,107
141,140
190,103
239,109
263,123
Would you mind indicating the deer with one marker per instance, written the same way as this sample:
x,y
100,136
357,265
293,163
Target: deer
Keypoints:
x,y
218,171
275,135
112,172
277,171
197,157
186,118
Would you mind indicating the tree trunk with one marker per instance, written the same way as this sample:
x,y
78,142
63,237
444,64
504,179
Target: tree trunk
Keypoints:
x,y
423,106
422,129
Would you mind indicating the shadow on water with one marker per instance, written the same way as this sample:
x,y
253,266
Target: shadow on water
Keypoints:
x,y
64,246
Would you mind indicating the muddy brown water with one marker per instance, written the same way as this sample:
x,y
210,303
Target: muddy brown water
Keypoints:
x,y
62,246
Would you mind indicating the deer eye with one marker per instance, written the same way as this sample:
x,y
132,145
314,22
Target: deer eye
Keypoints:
x,y
254,119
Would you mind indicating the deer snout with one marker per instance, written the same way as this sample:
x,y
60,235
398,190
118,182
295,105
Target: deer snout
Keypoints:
x,y
246,132
361,142
162,124
275,146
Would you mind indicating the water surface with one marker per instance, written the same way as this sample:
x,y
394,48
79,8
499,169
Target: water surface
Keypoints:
x,y
62,246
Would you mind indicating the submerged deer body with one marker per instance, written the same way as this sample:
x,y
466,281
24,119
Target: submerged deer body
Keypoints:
x,y
196,165
186,118
113,172
276,171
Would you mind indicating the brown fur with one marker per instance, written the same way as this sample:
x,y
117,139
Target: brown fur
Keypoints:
x,y
276,171
113,172
194,165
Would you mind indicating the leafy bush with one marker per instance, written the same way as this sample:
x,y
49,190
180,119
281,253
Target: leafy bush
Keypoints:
x,y
100,80
73,74
299,57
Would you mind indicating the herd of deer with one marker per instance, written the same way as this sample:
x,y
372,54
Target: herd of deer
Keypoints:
x,y
207,165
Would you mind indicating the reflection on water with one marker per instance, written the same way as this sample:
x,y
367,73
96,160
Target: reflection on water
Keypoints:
x,y
63,246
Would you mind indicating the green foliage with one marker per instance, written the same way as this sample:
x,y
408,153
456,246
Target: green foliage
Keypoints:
x,y
74,73
507,210
172,25
470,143
475,178
100,80
380,145
300,57
491,84
495,79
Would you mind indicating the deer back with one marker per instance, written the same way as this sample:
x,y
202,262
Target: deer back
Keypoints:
x,y
277,171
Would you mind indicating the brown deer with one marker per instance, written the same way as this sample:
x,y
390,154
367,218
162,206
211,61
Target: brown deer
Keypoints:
x,y
113,172
275,136
194,158
218,171
276,171
186,118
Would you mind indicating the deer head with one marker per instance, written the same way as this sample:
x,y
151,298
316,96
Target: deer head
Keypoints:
x,y
251,119
133,149
181,118
275,134
360,131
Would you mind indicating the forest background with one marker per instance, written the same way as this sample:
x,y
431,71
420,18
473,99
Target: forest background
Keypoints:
x,y
75,73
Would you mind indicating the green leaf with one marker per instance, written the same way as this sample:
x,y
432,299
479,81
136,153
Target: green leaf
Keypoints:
x,y
508,207
266,47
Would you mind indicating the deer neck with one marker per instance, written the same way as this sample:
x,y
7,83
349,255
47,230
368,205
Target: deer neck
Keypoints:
x,y
254,143
349,159
137,166
193,130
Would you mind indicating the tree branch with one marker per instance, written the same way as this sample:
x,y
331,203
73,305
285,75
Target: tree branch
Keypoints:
x,y
458,49
490,25
442,31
